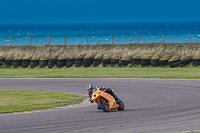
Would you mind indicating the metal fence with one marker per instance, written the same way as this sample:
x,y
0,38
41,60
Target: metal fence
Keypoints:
x,y
93,40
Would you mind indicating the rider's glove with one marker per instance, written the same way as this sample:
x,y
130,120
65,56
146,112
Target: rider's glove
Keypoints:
x,y
91,100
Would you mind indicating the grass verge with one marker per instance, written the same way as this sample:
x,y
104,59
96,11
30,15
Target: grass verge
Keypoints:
x,y
19,101
108,72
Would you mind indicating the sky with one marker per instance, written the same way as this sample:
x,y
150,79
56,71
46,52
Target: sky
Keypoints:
x,y
78,11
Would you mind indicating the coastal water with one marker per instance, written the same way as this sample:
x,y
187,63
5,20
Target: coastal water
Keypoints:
x,y
99,33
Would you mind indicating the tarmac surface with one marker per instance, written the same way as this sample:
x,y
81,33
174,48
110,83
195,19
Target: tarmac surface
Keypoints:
x,y
151,106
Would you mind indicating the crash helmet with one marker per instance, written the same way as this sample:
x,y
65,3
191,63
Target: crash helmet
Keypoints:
x,y
90,87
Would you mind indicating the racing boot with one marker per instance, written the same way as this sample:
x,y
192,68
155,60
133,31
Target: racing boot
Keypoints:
x,y
113,94
116,98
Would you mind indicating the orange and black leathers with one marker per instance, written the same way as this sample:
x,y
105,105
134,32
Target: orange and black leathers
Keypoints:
x,y
108,90
111,92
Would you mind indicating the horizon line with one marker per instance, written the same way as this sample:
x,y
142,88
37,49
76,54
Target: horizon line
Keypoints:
x,y
100,22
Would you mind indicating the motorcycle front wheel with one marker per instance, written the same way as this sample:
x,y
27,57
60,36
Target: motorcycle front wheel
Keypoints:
x,y
103,104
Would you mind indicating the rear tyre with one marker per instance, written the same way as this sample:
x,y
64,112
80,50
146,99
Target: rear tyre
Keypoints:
x,y
121,106
103,104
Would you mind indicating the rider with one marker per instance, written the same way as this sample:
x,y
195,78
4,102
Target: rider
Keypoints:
x,y
90,88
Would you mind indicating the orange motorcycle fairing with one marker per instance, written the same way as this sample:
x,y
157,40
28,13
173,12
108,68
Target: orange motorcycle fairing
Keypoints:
x,y
105,101
96,96
111,101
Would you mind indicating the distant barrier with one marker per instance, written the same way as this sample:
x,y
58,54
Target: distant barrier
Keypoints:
x,y
87,62
68,40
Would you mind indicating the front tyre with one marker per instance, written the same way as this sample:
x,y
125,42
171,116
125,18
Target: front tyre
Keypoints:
x,y
103,104
121,106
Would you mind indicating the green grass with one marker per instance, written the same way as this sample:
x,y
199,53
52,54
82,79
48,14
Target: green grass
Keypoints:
x,y
108,72
18,101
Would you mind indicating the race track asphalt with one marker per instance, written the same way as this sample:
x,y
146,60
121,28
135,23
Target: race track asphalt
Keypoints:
x,y
151,106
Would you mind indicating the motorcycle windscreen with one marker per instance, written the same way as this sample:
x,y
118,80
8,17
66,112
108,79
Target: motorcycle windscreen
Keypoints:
x,y
94,90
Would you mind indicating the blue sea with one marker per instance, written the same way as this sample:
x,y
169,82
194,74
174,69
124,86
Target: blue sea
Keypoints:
x,y
99,33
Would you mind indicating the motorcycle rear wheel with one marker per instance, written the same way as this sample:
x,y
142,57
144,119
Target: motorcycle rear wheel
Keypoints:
x,y
121,106
103,104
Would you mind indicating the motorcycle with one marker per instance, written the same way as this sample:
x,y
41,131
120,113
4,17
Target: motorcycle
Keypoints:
x,y
105,101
